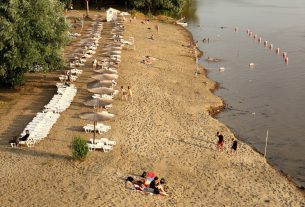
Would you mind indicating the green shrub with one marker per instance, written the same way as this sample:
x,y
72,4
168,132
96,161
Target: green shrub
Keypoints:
x,y
79,148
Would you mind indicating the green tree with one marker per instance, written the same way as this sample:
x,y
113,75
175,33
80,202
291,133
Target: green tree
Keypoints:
x,y
153,6
32,32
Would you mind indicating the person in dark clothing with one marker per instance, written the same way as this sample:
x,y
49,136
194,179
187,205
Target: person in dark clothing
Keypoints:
x,y
158,189
154,183
26,136
234,146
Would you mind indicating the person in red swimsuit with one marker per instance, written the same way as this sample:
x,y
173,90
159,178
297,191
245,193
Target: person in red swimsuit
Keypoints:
x,y
221,142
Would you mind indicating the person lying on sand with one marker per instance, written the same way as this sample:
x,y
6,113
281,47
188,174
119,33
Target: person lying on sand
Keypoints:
x,y
139,186
148,60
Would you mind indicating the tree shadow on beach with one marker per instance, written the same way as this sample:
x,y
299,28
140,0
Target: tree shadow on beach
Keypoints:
x,y
181,140
35,153
20,123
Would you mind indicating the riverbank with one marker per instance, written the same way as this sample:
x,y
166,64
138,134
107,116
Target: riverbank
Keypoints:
x,y
166,129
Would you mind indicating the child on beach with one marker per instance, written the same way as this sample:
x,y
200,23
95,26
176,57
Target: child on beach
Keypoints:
x,y
220,143
129,94
123,93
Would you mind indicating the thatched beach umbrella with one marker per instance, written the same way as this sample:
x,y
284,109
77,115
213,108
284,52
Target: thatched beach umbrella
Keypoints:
x,y
105,77
102,90
106,71
97,84
112,48
96,117
98,102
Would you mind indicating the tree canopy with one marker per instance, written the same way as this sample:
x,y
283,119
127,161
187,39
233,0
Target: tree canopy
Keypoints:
x,y
153,6
32,32
148,6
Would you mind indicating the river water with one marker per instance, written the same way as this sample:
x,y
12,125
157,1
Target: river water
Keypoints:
x,y
270,96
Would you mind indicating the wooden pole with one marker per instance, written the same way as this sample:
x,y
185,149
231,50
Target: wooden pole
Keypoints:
x,y
266,143
94,132
87,12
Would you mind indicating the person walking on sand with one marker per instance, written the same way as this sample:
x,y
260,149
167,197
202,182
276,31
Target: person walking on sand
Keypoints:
x,y
94,63
123,93
157,28
129,94
234,146
220,143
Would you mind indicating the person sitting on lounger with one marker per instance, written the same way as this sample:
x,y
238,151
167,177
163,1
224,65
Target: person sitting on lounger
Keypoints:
x,y
149,60
26,136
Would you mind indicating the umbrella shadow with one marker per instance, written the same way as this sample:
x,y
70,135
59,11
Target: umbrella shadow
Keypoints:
x,y
76,128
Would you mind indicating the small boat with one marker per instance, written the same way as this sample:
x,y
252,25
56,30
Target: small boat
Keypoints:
x,y
184,24
181,22
221,69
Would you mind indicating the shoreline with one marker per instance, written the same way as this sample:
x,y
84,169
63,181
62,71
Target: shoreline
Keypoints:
x,y
214,111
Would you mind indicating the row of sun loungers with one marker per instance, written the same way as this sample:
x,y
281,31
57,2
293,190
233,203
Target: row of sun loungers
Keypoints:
x,y
39,127
61,101
42,123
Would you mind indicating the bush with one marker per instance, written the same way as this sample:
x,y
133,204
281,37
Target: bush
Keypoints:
x,y
79,148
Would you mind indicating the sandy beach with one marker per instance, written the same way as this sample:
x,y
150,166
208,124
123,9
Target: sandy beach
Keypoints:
x,y
167,129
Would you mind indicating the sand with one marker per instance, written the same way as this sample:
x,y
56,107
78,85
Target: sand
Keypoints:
x,y
166,129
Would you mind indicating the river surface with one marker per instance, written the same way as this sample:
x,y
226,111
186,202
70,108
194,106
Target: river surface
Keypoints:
x,y
269,96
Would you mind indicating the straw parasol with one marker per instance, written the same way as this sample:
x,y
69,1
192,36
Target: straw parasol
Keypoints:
x,y
105,77
98,102
96,117
97,84
106,71
111,48
102,90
